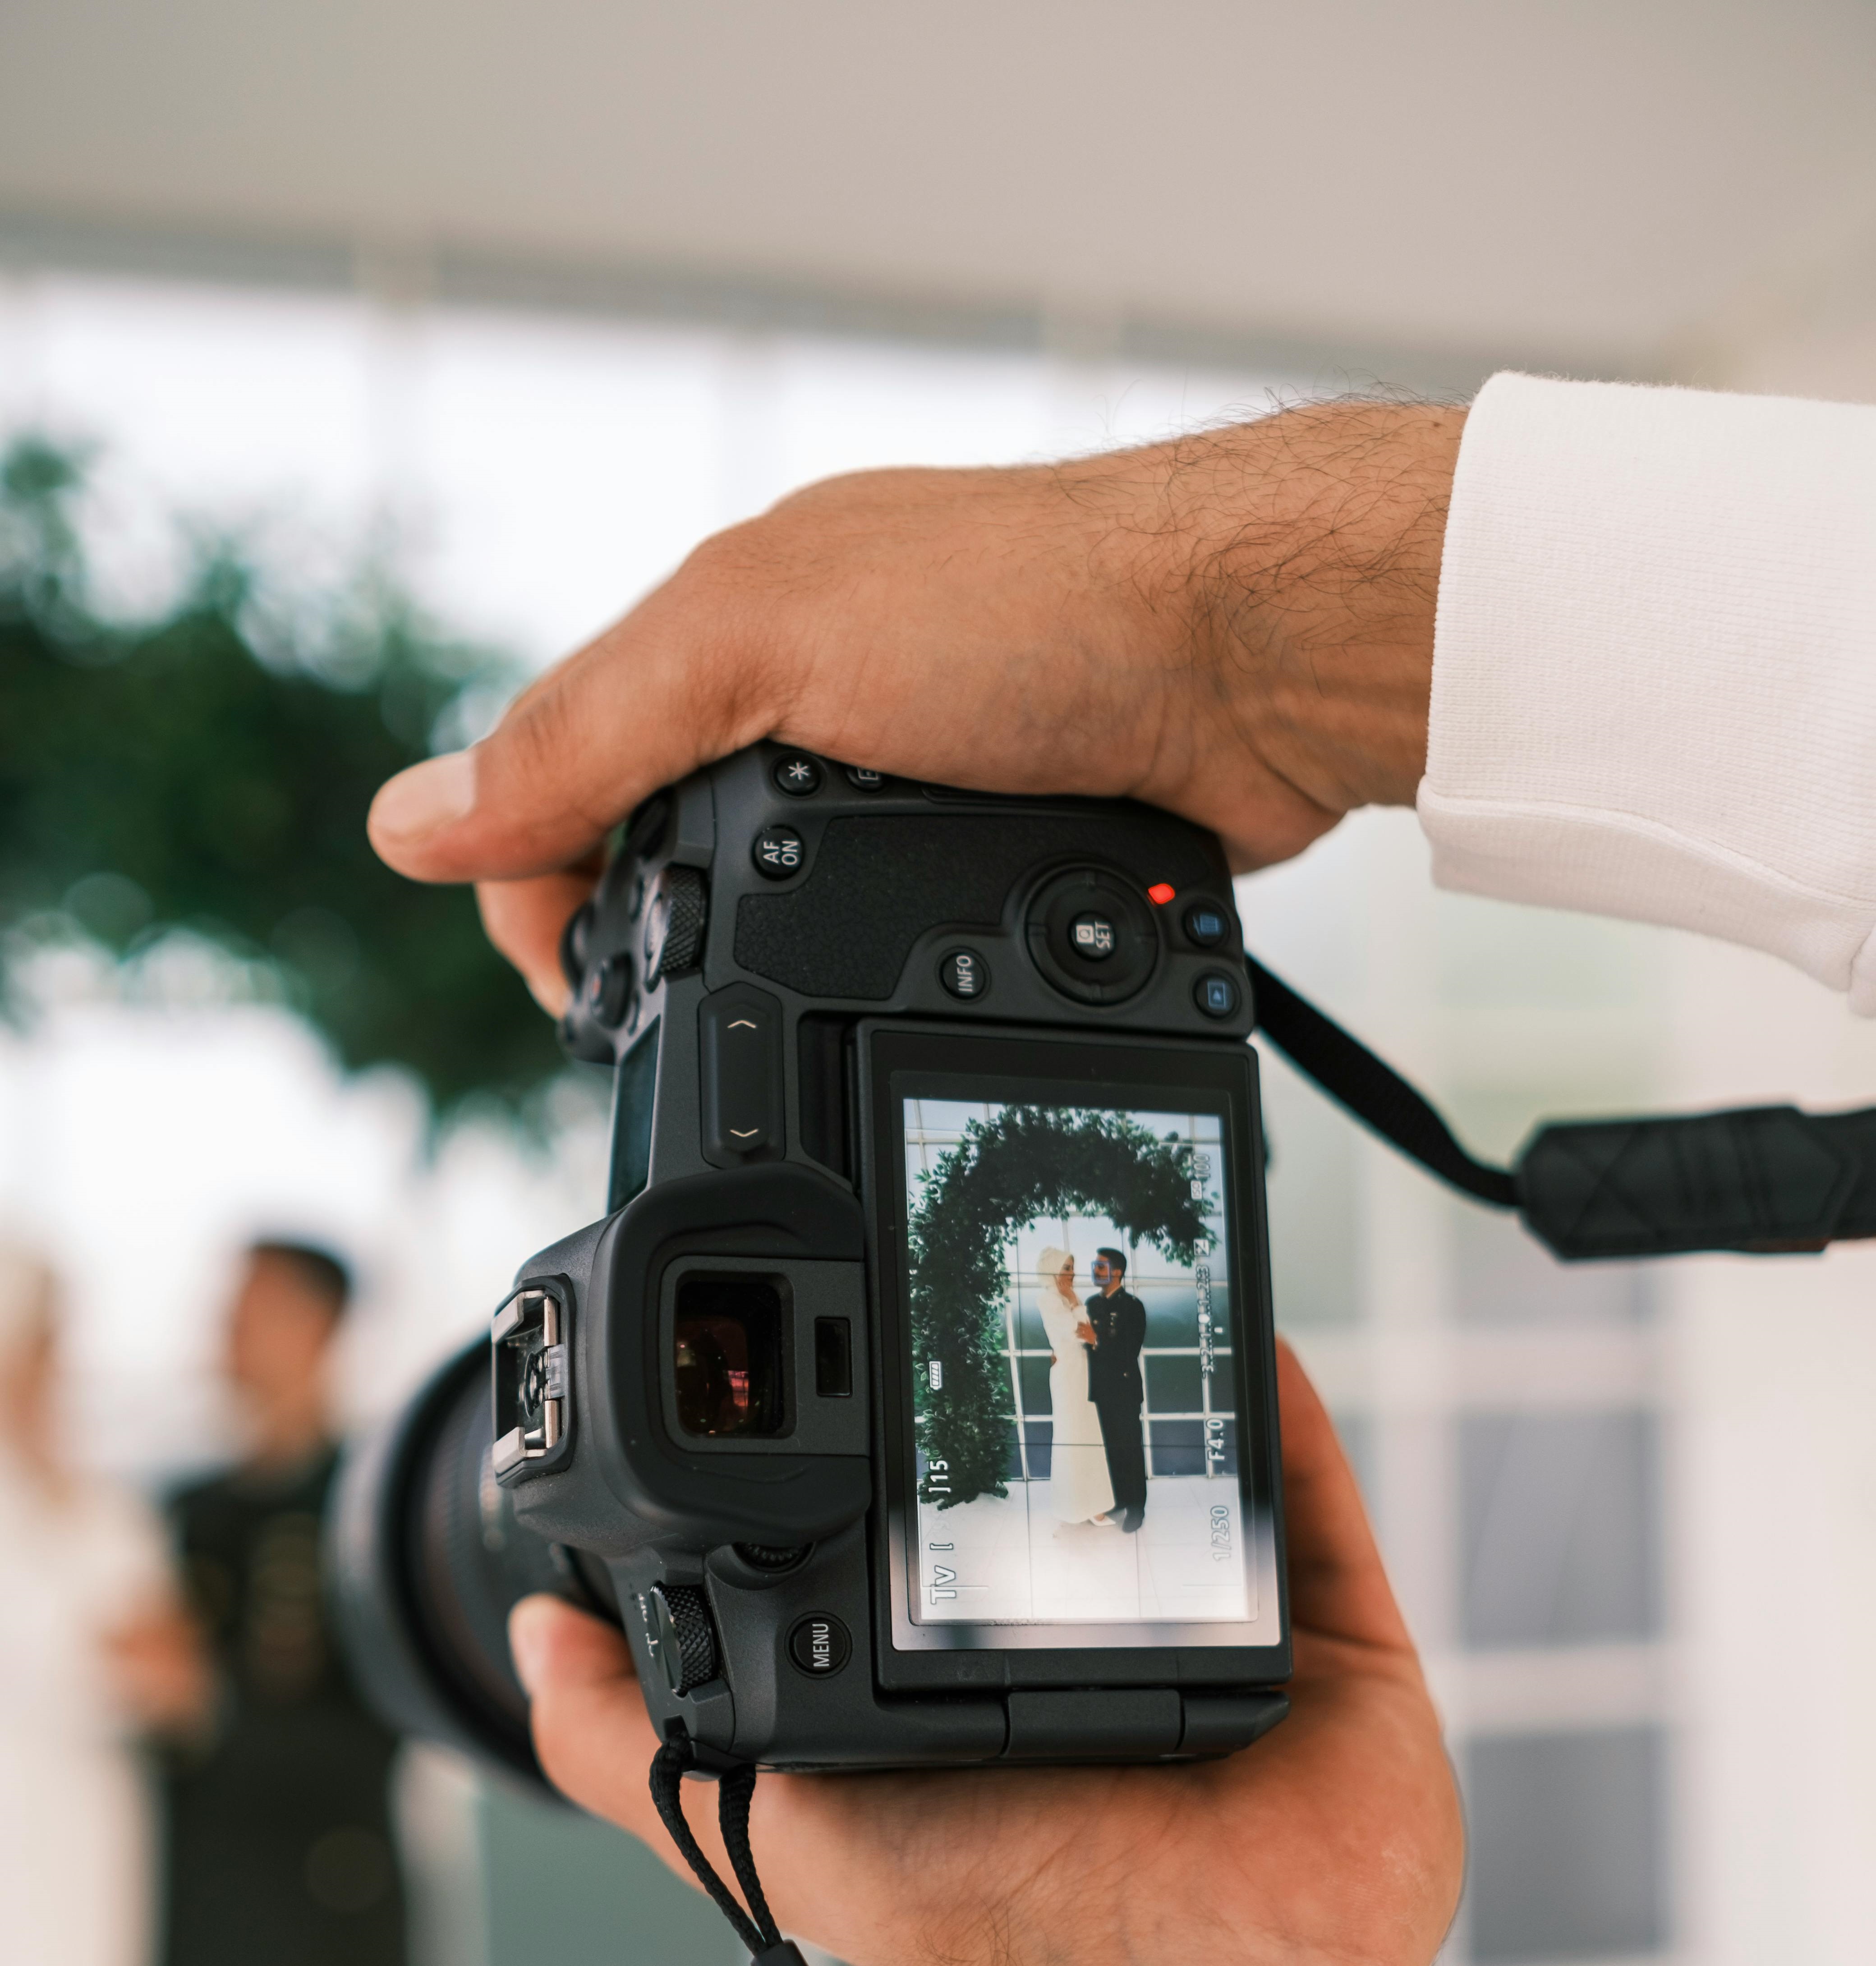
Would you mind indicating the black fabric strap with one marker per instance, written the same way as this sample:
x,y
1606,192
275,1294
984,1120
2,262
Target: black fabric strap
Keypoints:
x,y
1374,1093
760,1934
1761,1180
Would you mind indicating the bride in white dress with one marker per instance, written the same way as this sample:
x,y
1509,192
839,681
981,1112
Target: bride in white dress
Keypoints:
x,y
1079,1490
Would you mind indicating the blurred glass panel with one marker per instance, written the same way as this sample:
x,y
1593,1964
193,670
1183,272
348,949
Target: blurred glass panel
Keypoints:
x,y
1562,1536
1030,1335
1356,1433
1315,1201
1171,1311
1568,1845
1175,1385
1178,1447
560,1885
1034,1376
1039,1436
1501,1274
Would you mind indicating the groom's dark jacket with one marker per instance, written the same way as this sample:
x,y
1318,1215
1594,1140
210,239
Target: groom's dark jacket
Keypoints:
x,y
1113,1366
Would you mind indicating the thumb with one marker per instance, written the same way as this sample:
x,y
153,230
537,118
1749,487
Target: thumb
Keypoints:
x,y
594,1737
665,690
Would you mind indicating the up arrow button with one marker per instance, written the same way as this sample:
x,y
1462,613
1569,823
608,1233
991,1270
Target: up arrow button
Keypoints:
x,y
740,1048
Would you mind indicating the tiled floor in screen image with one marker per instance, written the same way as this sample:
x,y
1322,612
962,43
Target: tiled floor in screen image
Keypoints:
x,y
1012,1560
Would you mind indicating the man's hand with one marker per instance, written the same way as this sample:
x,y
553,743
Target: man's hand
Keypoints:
x,y
1336,1839
160,1669
1236,626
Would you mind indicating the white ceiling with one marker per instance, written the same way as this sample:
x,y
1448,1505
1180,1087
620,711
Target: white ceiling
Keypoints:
x,y
1672,189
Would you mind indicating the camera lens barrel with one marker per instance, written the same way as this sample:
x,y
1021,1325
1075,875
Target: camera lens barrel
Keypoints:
x,y
426,1558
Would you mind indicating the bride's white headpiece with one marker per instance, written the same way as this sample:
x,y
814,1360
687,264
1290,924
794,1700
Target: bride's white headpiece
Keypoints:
x,y
1049,1265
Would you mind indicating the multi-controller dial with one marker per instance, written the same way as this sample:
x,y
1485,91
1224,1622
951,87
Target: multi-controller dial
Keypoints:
x,y
1092,937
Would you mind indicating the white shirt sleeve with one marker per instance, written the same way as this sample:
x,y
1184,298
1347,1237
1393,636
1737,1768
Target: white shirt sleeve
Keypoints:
x,y
1654,668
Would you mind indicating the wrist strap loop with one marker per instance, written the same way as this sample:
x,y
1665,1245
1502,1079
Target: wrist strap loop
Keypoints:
x,y
759,1933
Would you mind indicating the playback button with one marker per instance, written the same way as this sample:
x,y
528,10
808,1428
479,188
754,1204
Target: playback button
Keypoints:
x,y
1216,994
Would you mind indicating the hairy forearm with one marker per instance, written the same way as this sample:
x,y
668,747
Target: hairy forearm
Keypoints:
x,y
1320,604
1294,562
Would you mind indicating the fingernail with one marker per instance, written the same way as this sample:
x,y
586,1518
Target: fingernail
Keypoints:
x,y
425,798
528,1639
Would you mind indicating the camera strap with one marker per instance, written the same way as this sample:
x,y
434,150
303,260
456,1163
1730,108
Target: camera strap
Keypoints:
x,y
1758,1179
756,1927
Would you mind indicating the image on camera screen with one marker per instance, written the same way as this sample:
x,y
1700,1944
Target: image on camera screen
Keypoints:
x,y
1073,1393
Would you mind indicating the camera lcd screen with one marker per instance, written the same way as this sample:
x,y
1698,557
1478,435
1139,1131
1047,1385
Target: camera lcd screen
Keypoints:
x,y
1074,1332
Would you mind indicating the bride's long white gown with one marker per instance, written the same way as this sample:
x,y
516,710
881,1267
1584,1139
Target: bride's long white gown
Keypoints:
x,y
1078,1487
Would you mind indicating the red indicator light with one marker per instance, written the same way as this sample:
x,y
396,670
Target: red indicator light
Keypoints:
x,y
1160,893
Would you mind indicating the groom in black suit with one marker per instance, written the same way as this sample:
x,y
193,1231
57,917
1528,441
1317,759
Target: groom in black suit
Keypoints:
x,y
1114,1383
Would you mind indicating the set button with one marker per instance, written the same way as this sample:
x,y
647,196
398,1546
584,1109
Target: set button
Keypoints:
x,y
1093,936
778,852
797,775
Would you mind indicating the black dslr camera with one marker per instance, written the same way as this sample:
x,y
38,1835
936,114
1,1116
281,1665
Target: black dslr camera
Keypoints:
x,y
913,1404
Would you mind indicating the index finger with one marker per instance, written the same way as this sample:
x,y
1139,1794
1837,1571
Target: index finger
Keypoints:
x,y
639,708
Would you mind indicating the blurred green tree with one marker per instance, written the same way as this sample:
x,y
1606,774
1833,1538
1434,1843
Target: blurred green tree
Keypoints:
x,y
211,769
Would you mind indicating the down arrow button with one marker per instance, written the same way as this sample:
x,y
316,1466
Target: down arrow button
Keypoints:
x,y
739,1043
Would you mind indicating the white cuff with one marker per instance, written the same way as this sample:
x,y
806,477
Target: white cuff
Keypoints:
x,y
1654,668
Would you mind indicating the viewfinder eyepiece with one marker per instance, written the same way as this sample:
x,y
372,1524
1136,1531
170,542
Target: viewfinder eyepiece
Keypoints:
x,y
726,1345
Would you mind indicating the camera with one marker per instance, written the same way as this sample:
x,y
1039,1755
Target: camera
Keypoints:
x,y
913,1402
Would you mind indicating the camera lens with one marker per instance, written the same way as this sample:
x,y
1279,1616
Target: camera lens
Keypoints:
x,y
727,1356
428,1557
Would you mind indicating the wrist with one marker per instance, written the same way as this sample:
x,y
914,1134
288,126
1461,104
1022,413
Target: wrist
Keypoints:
x,y
1324,612
1300,556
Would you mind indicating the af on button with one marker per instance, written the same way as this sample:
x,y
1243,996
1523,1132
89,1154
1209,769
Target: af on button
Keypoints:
x,y
778,852
819,1645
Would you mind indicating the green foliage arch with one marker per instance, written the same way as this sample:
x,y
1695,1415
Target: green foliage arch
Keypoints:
x,y
208,770
1027,1164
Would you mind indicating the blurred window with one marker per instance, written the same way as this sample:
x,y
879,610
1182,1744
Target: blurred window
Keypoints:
x,y
1568,1845
1561,1536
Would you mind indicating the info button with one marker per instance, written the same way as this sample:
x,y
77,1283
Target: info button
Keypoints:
x,y
819,1646
964,974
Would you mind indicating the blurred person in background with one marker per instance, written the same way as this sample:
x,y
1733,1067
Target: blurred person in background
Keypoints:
x,y
281,1850
94,1649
